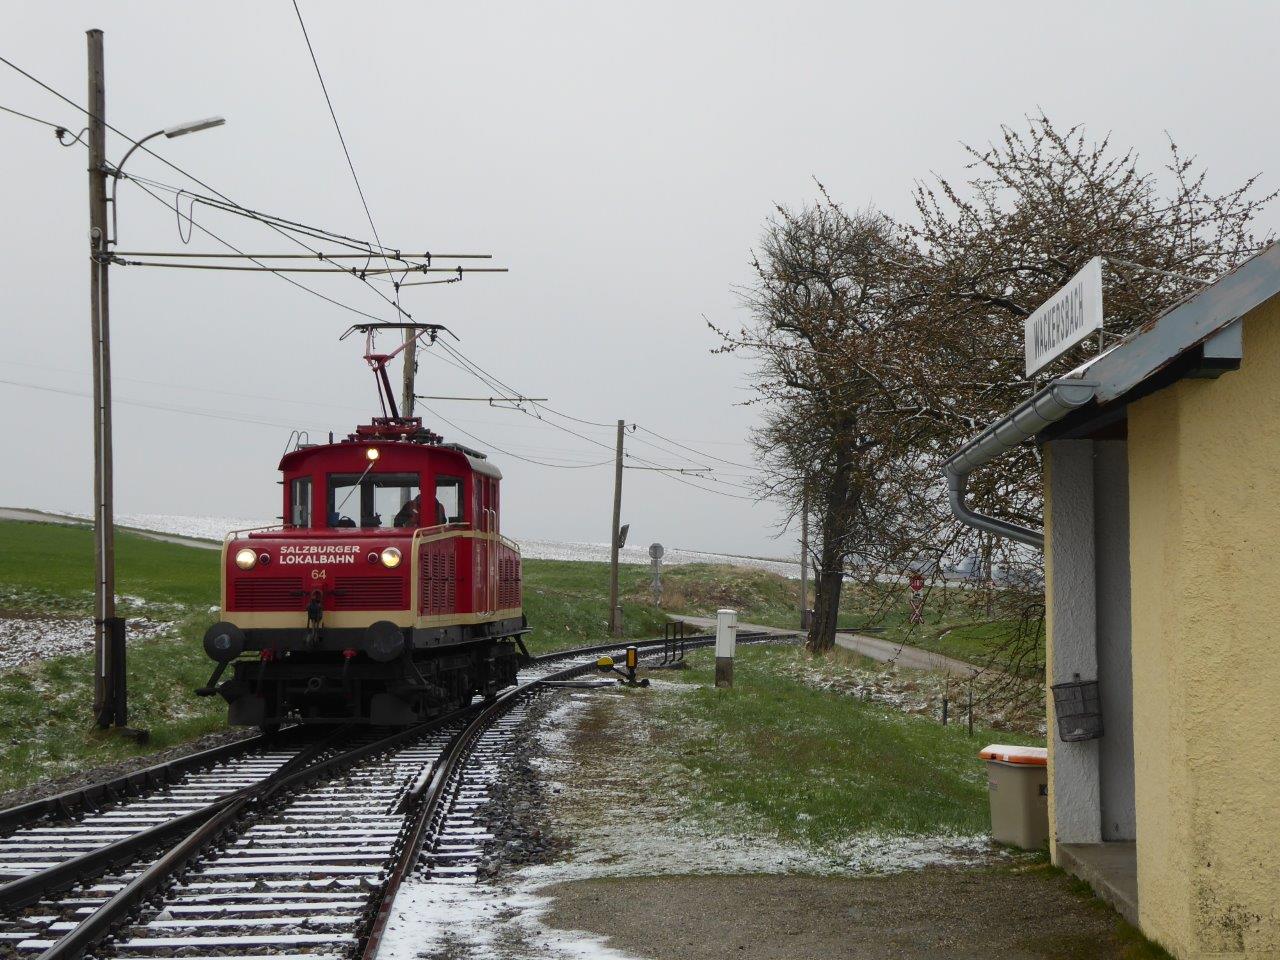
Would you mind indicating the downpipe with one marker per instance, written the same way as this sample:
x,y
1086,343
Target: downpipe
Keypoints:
x,y
1047,407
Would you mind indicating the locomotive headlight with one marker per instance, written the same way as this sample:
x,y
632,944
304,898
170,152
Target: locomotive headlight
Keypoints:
x,y
246,559
372,453
391,557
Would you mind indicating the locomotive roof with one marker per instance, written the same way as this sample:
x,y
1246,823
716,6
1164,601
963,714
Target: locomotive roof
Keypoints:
x,y
474,458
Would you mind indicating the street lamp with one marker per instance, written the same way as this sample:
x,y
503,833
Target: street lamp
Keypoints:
x,y
181,130
110,702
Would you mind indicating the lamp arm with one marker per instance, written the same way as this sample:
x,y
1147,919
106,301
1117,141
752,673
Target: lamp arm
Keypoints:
x,y
116,173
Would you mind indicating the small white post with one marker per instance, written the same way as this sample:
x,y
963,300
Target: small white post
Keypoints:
x,y
726,645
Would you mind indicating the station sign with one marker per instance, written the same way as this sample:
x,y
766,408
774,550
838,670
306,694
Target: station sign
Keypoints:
x,y
1065,318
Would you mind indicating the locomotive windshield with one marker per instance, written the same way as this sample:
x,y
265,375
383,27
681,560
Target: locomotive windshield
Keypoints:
x,y
448,499
377,500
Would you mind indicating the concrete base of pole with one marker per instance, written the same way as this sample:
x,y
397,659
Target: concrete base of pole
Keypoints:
x,y
724,671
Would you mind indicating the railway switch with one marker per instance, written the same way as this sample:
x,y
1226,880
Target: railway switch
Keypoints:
x,y
632,661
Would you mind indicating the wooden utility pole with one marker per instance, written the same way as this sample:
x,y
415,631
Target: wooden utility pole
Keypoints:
x,y
615,615
410,370
804,558
109,705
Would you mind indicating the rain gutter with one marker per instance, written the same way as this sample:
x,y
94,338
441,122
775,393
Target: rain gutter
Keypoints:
x,y
1047,407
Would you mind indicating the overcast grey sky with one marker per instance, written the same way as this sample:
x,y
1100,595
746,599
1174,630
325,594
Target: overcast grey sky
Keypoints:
x,y
620,159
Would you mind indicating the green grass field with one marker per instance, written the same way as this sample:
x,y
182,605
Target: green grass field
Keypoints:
x,y
48,569
822,766
955,623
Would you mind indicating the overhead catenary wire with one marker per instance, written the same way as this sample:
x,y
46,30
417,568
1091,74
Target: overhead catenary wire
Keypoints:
x,y
342,140
701,453
514,395
287,279
262,267
405,257
363,247
494,446
244,211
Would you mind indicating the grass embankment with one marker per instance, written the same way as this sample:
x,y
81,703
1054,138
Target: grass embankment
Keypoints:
x,y
46,570
955,621
821,766
567,603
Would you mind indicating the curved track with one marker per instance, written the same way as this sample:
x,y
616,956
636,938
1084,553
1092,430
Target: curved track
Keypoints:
x,y
298,854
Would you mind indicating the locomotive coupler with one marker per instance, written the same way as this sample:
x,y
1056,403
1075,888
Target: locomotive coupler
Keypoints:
x,y
315,614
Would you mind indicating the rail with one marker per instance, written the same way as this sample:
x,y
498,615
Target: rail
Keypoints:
x,y
197,830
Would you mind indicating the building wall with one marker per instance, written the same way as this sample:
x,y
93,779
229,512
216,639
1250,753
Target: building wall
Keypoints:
x,y
1204,482
1070,628
1091,795
1115,674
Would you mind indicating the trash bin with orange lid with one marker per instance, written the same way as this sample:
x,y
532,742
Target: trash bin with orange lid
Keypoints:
x,y
1018,785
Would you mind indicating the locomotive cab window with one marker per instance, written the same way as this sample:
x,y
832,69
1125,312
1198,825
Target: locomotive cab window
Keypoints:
x,y
448,500
377,500
300,502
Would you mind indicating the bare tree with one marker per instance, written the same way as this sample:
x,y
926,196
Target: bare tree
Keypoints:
x,y
823,307
1036,206
882,347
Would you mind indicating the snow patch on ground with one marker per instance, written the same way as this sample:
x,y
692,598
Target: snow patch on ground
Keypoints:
x,y
668,841
506,919
26,638
479,921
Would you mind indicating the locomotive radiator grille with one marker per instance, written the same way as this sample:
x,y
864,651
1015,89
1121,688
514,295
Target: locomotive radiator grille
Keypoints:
x,y
268,593
508,582
439,582
369,593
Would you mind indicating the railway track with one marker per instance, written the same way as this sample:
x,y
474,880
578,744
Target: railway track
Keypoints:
x,y
294,850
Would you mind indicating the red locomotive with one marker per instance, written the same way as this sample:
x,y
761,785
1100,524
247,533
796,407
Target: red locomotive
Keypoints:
x,y
388,595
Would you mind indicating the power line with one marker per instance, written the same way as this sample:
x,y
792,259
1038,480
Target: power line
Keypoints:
x,y
169,163
58,129
316,233
351,271
732,463
185,386
284,277
341,139
493,382
494,446
28,117
186,411
407,258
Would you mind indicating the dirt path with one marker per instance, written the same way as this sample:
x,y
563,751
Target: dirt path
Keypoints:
x,y
960,914
877,648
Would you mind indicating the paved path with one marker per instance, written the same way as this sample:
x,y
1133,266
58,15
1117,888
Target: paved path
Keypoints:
x,y
39,516
877,648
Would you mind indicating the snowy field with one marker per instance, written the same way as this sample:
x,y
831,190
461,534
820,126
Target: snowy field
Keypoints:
x,y
215,528
506,919
25,637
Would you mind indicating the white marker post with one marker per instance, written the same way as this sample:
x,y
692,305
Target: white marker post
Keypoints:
x,y
726,644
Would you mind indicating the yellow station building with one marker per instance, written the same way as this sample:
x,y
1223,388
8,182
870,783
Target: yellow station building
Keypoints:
x,y
1162,559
